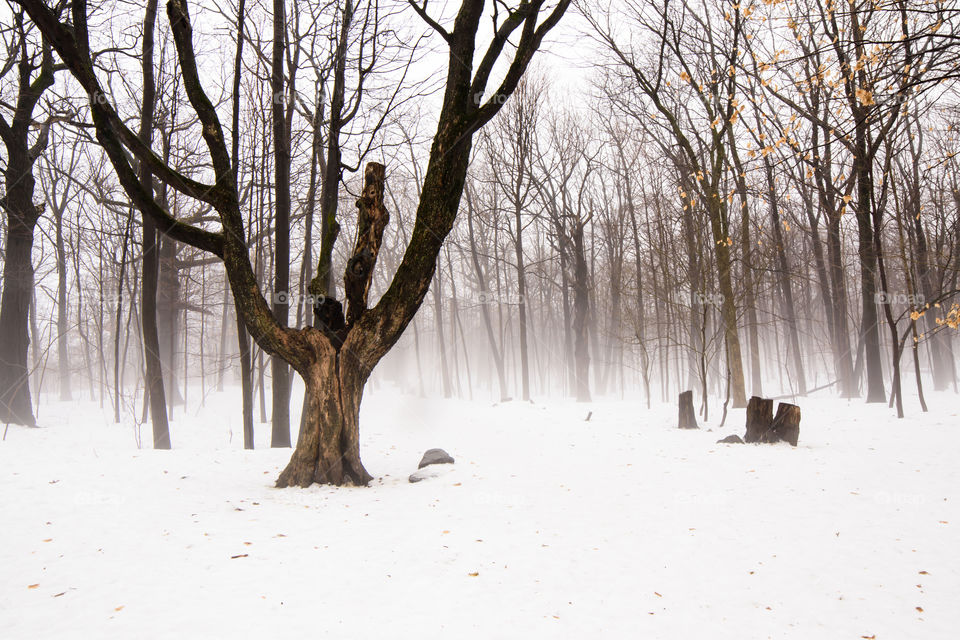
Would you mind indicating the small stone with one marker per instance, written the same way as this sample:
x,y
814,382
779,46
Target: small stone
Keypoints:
x,y
731,439
431,471
434,456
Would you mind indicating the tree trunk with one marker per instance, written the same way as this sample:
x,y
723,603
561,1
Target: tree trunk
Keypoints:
x,y
22,215
151,256
786,424
867,253
328,449
687,416
759,418
581,311
783,275
280,434
522,307
15,404
63,351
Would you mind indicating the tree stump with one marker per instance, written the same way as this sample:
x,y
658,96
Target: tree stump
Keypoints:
x,y
759,418
786,425
687,418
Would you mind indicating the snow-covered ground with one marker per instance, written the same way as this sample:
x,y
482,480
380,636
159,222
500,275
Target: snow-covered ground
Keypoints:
x,y
547,526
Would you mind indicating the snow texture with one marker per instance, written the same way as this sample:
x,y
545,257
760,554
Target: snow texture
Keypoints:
x,y
547,527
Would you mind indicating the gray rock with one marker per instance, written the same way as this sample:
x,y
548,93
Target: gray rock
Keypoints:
x,y
434,456
432,471
731,439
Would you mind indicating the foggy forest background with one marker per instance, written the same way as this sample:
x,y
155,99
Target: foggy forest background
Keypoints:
x,y
740,199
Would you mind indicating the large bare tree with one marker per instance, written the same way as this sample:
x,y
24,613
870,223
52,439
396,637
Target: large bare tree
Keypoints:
x,y
334,358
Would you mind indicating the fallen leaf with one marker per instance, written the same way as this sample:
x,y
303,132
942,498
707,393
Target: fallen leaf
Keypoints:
x,y
474,574
657,594
57,595
924,573
33,586
248,543
120,608
49,540
242,555
920,609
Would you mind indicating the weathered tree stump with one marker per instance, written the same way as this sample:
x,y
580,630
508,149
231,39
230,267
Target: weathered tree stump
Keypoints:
x,y
687,418
786,425
759,418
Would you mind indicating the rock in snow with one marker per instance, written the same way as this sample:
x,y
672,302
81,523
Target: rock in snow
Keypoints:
x,y
432,471
731,439
434,456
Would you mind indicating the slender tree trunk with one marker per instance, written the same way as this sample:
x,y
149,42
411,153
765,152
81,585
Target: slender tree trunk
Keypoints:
x,y
151,256
870,330
522,304
63,350
280,435
783,275
581,314
243,339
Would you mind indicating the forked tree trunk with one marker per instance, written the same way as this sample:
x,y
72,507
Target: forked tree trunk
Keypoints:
x,y
328,449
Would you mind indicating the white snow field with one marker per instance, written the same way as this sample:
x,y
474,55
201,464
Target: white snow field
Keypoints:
x,y
547,526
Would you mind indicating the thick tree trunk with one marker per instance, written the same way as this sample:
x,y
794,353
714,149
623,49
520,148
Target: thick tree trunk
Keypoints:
x,y
687,417
785,426
15,404
759,418
21,214
328,449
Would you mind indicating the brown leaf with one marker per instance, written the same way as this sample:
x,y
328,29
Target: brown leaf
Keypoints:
x,y
923,573
120,608
474,574
241,555
33,586
920,609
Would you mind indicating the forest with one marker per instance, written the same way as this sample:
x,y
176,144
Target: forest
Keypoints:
x,y
269,214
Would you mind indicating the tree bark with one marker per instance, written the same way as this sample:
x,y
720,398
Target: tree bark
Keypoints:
x,y
759,418
16,405
687,416
280,388
151,255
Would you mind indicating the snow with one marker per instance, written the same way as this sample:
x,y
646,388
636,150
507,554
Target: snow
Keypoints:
x,y
547,526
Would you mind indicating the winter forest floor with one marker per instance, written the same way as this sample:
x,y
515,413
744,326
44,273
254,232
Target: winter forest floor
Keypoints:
x,y
547,526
